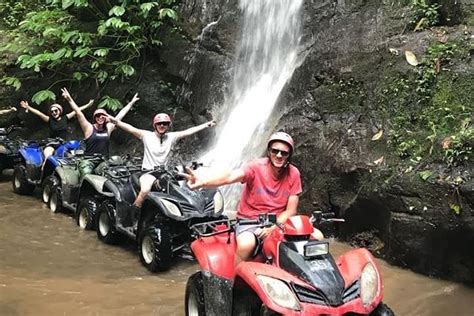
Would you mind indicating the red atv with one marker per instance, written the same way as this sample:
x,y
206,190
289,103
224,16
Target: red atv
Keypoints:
x,y
292,274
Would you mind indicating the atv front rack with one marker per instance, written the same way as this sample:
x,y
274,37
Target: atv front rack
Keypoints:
x,y
212,228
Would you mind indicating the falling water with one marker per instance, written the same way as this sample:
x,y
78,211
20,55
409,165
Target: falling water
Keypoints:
x,y
266,57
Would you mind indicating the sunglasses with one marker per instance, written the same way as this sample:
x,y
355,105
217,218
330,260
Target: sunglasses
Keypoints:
x,y
162,124
283,153
100,115
54,111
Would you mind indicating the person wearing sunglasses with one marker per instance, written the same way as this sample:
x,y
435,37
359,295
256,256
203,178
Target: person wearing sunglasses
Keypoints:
x,y
97,133
57,121
157,145
11,109
271,185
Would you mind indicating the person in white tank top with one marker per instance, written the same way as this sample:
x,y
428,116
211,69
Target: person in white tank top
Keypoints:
x,y
157,145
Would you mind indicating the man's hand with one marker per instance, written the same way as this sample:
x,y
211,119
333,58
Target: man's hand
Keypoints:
x,y
90,102
13,109
262,233
192,180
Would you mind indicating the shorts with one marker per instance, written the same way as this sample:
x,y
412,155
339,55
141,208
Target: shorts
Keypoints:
x,y
147,180
239,229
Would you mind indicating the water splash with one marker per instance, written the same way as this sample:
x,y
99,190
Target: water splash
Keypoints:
x,y
266,57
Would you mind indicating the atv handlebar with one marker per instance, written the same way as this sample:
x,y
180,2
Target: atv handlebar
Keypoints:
x,y
318,218
212,228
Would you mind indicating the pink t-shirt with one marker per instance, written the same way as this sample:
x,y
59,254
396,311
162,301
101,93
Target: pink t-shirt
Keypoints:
x,y
262,193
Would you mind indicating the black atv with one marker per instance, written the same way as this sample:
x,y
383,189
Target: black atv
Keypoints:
x,y
161,227
9,149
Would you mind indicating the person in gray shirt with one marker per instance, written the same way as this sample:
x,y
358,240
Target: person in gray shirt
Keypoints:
x,y
157,145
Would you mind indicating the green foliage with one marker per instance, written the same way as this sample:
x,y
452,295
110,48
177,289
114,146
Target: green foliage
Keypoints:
x,y
110,103
43,95
456,208
424,14
77,40
431,109
425,174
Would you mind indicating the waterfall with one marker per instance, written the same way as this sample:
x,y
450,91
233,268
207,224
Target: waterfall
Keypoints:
x,y
266,57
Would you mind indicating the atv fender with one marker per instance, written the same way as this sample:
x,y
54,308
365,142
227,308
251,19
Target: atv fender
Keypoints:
x,y
217,294
96,183
68,174
32,155
49,167
215,255
351,265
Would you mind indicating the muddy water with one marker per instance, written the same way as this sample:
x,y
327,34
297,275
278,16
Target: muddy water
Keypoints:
x,y
49,267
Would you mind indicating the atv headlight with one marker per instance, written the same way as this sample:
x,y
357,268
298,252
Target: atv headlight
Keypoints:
x,y
279,292
368,284
218,202
171,207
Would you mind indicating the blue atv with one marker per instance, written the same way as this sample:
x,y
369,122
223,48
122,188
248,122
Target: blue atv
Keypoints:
x,y
28,173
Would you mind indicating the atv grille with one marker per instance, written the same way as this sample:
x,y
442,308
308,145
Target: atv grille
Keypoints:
x,y
209,206
309,295
186,207
317,296
351,292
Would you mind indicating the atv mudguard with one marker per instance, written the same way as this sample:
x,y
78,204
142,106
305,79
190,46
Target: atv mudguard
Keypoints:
x,y
96,183
67,147
68,174
351,265
216,253
33,155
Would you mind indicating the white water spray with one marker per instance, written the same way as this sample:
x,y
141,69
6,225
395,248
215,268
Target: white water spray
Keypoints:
x,y
266,58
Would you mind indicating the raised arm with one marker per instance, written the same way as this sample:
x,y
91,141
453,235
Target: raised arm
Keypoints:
x,y
122,113
12,109
195,129
86,126
227,177
28,108
138,133
70,115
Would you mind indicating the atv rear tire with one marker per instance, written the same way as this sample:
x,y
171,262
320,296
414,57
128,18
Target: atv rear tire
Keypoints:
x,y
55,200
86,212
20,182
382,310
46,189
194,297
154,247
105,227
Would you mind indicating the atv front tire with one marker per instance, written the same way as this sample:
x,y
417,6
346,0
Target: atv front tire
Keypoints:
x,y
194,297
154,247
20,182
86,212
382,310
55,200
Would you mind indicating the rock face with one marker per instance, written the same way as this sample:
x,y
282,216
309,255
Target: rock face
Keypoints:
x,y
333,106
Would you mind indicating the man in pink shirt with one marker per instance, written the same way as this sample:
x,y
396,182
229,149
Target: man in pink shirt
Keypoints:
x,y
271,185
